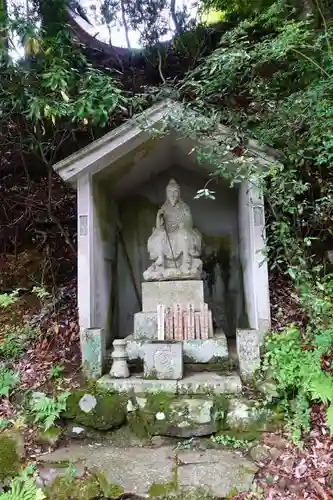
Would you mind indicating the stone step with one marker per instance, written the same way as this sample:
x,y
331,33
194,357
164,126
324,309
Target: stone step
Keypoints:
x,y
198,383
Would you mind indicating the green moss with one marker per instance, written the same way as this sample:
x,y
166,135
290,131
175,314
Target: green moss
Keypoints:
x,y
217,365
9,459
51,436
65,488
252,433
109,412
109,490
159,402
143,422
221,405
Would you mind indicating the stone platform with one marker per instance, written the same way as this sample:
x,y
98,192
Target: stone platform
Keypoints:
x,y
194,351
198,383
136,469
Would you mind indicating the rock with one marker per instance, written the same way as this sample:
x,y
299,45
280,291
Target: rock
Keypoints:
x,y
51,436
168,415
268,388
275,453
260,453
19,440
87,403
109,411
10,446
243,414
158,441
77,432
276,441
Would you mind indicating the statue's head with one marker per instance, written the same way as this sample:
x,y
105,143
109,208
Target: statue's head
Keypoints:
x,y
173,192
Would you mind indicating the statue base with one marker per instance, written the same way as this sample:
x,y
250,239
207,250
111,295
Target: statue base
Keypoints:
x,y
177,305
167,293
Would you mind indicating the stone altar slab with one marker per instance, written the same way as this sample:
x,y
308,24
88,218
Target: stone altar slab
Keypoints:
x,y
172,292
163,360
194,351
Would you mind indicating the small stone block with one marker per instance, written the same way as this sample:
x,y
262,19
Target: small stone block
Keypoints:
x,y
145,325
163,360
172,292
248,351
93,352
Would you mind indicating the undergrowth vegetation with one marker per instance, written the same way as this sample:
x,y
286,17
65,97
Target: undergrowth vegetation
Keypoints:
x,y
271,79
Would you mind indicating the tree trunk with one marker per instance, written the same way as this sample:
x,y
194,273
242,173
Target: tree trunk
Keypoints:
x,y
53,14
174,17
123,17
3,29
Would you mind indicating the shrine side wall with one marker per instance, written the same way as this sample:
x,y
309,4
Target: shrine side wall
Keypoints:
x,y
217,220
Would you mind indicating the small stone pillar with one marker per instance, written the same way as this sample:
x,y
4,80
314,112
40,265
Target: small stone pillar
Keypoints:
x,y
248,350
119,367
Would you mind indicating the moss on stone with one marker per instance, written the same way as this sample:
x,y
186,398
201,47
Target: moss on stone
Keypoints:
x,y
159,402
109,490
51,436
221,405
250,434
65,488
109,412
9,459
143,422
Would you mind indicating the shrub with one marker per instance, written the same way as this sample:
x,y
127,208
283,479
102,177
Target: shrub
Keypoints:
x,y
296,366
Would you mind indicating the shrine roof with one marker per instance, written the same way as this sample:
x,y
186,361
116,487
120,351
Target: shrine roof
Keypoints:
x,y
137,131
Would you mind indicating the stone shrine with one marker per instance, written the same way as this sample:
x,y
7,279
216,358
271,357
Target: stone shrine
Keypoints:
x,y
202,263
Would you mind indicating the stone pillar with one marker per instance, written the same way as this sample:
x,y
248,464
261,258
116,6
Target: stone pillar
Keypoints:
x,y
252,244
92,289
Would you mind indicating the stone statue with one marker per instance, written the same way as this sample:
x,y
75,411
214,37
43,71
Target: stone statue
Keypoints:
x,y
174,244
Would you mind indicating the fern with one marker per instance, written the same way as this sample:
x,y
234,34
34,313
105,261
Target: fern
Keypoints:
x,y
299,376
48,409
23,489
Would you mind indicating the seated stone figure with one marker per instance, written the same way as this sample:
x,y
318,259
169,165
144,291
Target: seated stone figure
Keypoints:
x,y
174,244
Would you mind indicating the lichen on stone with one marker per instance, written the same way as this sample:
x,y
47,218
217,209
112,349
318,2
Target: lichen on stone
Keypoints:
x,y
109,412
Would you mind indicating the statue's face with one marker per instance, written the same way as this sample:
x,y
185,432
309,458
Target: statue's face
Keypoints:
x,y
172,195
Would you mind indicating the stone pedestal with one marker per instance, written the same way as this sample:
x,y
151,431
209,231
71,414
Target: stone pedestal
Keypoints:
x,y
172,292
187,294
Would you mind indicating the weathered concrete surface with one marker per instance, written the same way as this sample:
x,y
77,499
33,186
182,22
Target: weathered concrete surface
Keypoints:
x,y
136,469
199,383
